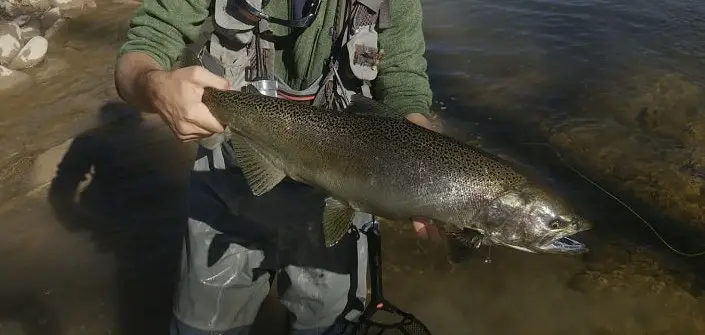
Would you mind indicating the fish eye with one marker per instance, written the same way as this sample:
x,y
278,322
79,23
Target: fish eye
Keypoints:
x,y
557,224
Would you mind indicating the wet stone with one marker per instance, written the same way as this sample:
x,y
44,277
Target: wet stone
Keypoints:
x,y
9,42
50,17
11,79
57,28
74,8
31,54
17,8
31,29
22,20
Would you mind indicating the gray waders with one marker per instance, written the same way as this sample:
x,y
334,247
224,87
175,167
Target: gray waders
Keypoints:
x,y
236,242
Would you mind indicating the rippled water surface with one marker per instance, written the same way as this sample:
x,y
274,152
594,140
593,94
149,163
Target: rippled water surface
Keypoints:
x,y
614,85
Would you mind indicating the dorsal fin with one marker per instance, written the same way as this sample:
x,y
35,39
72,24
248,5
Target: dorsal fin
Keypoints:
x,y
359,104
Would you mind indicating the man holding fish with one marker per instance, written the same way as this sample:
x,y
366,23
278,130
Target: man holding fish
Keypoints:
x,y
259,87
331,50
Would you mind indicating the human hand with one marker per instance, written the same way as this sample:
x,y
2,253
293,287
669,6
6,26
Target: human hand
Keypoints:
x,y
423,227
420,120
176,97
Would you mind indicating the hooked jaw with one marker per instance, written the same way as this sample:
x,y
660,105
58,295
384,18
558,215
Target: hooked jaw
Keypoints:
x,y
555,244
563,244
560,245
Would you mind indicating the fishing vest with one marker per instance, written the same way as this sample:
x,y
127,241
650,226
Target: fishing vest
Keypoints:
x,y
240,52
237,51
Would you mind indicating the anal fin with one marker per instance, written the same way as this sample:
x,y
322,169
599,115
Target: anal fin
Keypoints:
x,y
260,173
337,219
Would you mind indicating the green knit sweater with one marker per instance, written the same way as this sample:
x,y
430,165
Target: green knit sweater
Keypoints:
x,y
161,29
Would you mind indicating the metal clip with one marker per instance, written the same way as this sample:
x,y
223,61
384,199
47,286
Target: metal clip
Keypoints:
x,y
267,87
354,231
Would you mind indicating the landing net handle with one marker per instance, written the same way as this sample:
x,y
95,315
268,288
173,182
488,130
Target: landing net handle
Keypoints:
x,y
407,323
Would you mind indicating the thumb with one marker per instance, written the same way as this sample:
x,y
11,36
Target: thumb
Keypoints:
x,y
420,229
420,120
204,78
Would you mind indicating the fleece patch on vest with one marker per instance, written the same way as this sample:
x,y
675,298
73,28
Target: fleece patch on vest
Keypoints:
x,y
363,53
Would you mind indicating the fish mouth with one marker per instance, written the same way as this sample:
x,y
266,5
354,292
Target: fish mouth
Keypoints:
x,y
556,244
564,245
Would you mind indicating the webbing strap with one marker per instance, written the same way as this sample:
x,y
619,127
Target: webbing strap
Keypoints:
x,y
198,48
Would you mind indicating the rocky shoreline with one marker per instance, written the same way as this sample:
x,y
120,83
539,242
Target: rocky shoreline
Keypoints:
x,y
26,27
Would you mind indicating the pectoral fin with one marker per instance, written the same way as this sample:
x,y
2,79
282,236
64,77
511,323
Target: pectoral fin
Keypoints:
x,y
462,243
259,171
337,218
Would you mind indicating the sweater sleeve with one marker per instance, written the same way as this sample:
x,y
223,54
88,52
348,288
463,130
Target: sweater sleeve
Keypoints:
x,y
162,28
402,81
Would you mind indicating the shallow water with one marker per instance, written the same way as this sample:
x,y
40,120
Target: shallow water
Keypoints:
x,y
505,72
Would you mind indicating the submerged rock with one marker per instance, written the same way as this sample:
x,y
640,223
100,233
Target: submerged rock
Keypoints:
x,y
645,144
56,28
11,79
50,17
32,28
16,8
22,20
73,8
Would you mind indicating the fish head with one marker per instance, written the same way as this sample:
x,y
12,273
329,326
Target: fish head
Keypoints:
x,y
533,220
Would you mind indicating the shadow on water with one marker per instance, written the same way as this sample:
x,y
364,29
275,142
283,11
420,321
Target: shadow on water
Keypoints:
x,y
125,184
119,183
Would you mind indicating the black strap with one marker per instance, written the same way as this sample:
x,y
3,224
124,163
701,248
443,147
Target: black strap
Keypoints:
x,y
198,48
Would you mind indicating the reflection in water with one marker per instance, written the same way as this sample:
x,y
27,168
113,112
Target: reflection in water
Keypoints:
x,y
615,86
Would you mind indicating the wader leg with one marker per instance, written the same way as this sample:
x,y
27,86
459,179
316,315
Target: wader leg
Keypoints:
x,y
225,297
320,299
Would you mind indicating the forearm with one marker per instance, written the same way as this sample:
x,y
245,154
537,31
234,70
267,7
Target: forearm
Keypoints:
x,y
157,36
402,81
162,28
131,73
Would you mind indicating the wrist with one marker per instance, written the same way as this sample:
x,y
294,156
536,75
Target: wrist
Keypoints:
x,y
147,81
135,77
